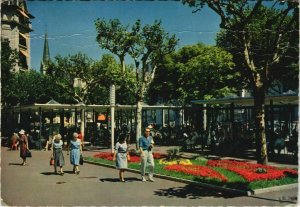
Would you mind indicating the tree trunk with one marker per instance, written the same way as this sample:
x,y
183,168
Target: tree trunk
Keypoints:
x,y
139,122
261,145
123,64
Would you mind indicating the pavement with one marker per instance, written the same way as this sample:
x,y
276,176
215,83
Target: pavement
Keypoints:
x,y
37,185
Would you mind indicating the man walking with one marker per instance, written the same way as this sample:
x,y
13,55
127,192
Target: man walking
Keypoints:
x,y
146,144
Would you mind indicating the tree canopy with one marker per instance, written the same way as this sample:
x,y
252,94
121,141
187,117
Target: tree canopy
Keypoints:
x,y
195,72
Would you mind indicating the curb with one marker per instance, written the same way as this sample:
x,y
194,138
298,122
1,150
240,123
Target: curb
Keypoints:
x,y
223,189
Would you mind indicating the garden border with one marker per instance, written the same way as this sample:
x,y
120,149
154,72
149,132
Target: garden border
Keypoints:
x,y
223,189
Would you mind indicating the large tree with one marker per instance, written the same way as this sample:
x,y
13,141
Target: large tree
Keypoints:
x,y
262,45
195,72
146,45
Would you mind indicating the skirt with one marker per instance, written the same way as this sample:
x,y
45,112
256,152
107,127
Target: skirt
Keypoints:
x,y
59,159
121,162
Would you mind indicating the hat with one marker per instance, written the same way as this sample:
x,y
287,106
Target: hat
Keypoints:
x,y
22,131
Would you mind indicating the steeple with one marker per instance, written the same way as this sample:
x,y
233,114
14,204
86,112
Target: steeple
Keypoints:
x,y
46,56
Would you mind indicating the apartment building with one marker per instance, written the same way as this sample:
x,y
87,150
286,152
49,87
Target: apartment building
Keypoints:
x,y
16,27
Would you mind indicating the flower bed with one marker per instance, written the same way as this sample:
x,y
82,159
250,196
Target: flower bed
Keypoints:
x,y
197,170
230,173
252,172
109,156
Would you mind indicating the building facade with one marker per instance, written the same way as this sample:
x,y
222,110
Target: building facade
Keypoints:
x,y
16,27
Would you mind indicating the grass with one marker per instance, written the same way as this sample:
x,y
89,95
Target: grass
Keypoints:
x,y
235,181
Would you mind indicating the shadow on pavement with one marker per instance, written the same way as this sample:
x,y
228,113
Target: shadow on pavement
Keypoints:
x,y
191,192
15,164
128,179
49,173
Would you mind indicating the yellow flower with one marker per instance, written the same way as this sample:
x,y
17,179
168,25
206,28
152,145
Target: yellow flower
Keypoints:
x,y
163,161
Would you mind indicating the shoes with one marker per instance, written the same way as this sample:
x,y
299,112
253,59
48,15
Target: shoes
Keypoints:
x,y
122,180
62,173
77,172
151,179
143,179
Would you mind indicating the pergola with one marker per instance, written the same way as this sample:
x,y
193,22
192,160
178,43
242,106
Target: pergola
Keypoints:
x,y
14,115
278,109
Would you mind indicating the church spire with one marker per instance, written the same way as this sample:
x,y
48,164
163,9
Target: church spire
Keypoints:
x,y
46,56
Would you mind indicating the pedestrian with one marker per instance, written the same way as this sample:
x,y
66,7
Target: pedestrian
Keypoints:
x,y
23,144
57,154
146,144
75,149
49,143
14,141
120,156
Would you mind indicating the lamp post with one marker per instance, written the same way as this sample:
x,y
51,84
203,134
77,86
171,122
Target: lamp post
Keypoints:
x,y
80,84
112,100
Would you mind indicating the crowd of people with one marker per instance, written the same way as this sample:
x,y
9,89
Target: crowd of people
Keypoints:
x,y
75,151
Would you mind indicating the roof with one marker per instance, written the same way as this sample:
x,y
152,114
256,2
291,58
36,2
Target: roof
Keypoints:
x,y
249,101
56,106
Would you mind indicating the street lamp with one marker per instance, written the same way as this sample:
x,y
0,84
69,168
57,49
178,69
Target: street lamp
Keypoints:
x,y
112,100
80,84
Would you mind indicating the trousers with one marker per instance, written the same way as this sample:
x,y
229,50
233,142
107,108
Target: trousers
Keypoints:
x,y
147,160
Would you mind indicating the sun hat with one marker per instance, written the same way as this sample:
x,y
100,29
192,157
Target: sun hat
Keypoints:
x,y
22,131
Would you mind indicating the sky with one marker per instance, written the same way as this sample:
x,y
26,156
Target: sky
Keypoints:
x,y
70,24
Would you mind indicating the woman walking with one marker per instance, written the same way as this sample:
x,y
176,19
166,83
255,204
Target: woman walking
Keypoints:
x,y
120,155
57,154
76,150
23,142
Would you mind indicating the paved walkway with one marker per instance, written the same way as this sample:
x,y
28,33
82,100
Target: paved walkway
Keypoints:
x,y
36,185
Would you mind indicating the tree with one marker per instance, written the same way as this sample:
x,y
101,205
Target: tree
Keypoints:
x,y
262,45
147,45
83,80
152,44
29,88
8,61
196,72
113,36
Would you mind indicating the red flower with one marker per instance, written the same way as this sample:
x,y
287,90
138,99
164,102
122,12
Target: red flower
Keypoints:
x,y
157,155
109,156
197,170
248,170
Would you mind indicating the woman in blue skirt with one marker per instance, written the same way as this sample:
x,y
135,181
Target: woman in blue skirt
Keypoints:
x,y
76,150
120,155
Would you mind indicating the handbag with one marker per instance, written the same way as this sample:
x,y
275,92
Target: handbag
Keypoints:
x,y
128,157
28,153
51,161
81,160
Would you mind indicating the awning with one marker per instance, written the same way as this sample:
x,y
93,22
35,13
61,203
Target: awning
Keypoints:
x,y
23,35
249,101
24,53
23,13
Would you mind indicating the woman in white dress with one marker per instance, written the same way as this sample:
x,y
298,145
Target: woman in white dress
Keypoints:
x,y
120,156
